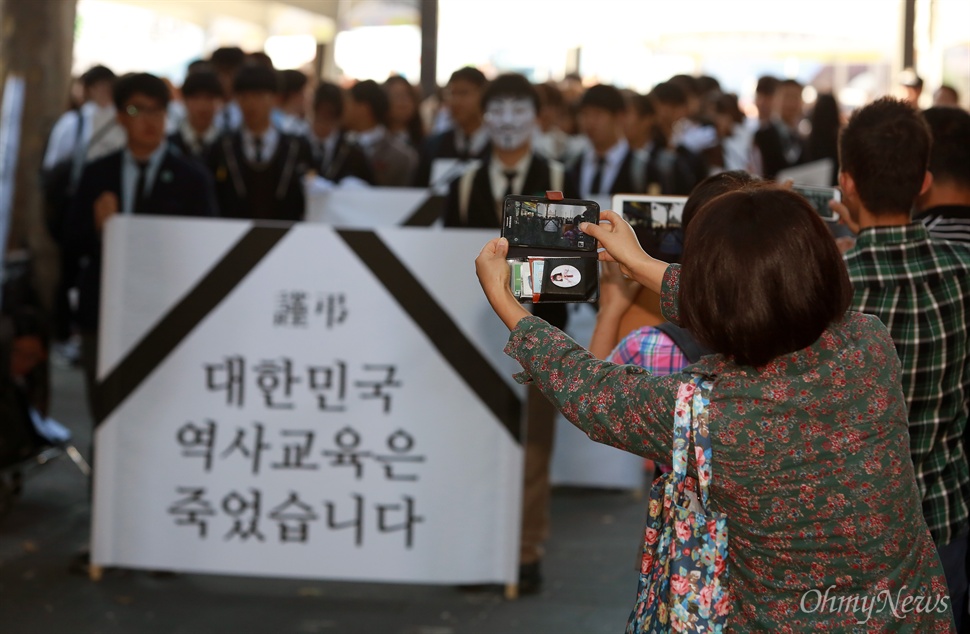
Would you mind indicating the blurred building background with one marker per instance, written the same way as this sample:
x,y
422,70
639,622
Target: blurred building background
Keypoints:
x,y
852,47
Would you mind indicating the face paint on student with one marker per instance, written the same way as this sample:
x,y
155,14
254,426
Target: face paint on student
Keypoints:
x,y
510,121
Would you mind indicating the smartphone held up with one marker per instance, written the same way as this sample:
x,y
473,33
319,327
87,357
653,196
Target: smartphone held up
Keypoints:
x,y
819,198
550,258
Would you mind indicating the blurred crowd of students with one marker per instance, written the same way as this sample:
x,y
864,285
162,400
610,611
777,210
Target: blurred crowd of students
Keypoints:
x,y
240,139
235,116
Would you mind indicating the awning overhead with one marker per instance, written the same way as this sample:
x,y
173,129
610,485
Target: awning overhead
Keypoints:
x,y
277,17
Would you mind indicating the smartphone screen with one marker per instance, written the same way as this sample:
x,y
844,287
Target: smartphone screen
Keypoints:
x,y
533,222
819,198
652,212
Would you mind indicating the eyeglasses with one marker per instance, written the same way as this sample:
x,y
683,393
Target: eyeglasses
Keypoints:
x,y
148,111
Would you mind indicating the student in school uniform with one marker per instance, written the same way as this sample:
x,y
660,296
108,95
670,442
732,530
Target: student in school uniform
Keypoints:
x,y
336,157
467,139
606,166
259,169
393,161
197,131
147,177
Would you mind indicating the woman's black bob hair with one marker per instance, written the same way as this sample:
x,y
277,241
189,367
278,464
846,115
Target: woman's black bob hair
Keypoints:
x,y
761,275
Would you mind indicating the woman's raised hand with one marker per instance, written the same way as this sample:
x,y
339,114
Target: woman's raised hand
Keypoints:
x,y
493,274
616,236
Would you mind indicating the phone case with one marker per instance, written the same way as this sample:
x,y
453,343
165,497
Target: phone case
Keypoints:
x,y
561,272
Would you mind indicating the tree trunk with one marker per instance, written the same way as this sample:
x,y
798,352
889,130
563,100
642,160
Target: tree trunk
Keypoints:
x,y
36,42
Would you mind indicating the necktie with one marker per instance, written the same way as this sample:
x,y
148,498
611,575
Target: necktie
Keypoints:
x,y
137,205
509,177
598,177
258,147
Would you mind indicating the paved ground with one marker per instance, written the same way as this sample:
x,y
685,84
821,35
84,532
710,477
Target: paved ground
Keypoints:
x,y
589,570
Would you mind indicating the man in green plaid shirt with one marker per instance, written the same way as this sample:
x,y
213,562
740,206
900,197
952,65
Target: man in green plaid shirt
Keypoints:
x,y
920,289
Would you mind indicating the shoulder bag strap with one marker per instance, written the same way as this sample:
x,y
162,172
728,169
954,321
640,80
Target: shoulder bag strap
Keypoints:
x,y
700,436
683,340
682,433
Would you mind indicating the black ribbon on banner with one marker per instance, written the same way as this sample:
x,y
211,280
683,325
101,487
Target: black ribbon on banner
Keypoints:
x,y
427,212
182,319
494,392
484,380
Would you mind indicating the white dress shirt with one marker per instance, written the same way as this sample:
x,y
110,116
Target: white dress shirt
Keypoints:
x,y
64,135
611,168
471,145
368,139
498,181
327,147
192,140
270,138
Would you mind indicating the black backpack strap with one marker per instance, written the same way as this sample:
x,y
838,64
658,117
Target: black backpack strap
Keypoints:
x,y
683,340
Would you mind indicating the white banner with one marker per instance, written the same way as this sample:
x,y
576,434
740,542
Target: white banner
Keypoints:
x,y
366,208
287,402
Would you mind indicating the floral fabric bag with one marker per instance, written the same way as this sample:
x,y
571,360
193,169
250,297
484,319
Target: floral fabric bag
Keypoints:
x,y
683,572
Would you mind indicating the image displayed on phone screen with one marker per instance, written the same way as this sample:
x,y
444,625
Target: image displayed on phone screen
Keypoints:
x,y
553,225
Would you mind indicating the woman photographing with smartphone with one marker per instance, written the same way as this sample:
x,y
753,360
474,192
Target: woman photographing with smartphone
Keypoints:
x,y
807,424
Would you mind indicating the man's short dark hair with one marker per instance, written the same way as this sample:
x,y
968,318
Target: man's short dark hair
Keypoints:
x,y
761,276
707,84
727,104
202,82
669,94
767,85
603,96
198,65
790,83
255,78
96,75
885,148
511,85
687,83
950,152
259,58
291,82
330,95
549,95
712,187
642,105
140,84
950,89
469,74
227,59
369,92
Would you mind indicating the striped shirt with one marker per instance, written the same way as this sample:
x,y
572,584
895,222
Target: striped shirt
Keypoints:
x,y
948,222
920,289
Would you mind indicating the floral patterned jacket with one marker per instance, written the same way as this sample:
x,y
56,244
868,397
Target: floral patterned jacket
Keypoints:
x,y
810,463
